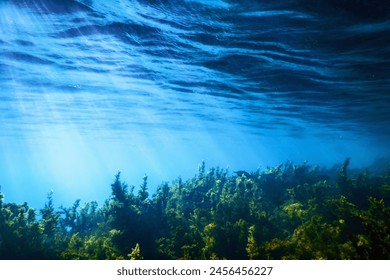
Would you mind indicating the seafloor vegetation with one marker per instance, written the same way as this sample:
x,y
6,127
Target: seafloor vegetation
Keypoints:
x,y
284,212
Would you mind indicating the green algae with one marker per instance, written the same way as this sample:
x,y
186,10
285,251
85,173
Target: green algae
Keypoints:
x,y
284,212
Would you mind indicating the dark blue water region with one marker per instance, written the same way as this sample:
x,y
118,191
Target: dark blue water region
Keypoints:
x,y
88,88
317,63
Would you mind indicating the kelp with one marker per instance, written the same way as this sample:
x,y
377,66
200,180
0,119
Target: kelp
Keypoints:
x,y
285,212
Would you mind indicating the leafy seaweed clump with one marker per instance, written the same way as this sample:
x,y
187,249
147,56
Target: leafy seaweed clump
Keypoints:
x,y
284,212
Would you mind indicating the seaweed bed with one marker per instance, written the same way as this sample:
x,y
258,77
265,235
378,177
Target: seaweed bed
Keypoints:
x,y
285,212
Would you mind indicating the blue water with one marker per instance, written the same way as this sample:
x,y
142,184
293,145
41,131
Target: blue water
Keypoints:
x,y
89,88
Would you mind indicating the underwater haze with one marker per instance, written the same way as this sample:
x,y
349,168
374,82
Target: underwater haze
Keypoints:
x,y
92,87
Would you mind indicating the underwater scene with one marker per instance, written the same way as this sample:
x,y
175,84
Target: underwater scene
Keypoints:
x,y
194,129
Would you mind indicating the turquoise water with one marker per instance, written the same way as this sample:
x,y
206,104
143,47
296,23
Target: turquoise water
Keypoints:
x,y
88,88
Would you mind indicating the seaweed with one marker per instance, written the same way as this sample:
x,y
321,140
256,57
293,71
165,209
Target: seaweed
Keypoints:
x,y
284,212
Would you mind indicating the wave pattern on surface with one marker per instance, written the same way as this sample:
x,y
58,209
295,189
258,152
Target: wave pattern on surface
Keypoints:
x,y
288,68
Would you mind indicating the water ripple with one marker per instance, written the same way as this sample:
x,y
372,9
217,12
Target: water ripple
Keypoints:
x,y
265,66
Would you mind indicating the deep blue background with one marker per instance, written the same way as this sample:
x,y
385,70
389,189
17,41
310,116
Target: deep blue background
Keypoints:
x,y
88,88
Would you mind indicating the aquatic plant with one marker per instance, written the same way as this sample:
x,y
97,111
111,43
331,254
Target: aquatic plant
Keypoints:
x,y
284,212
